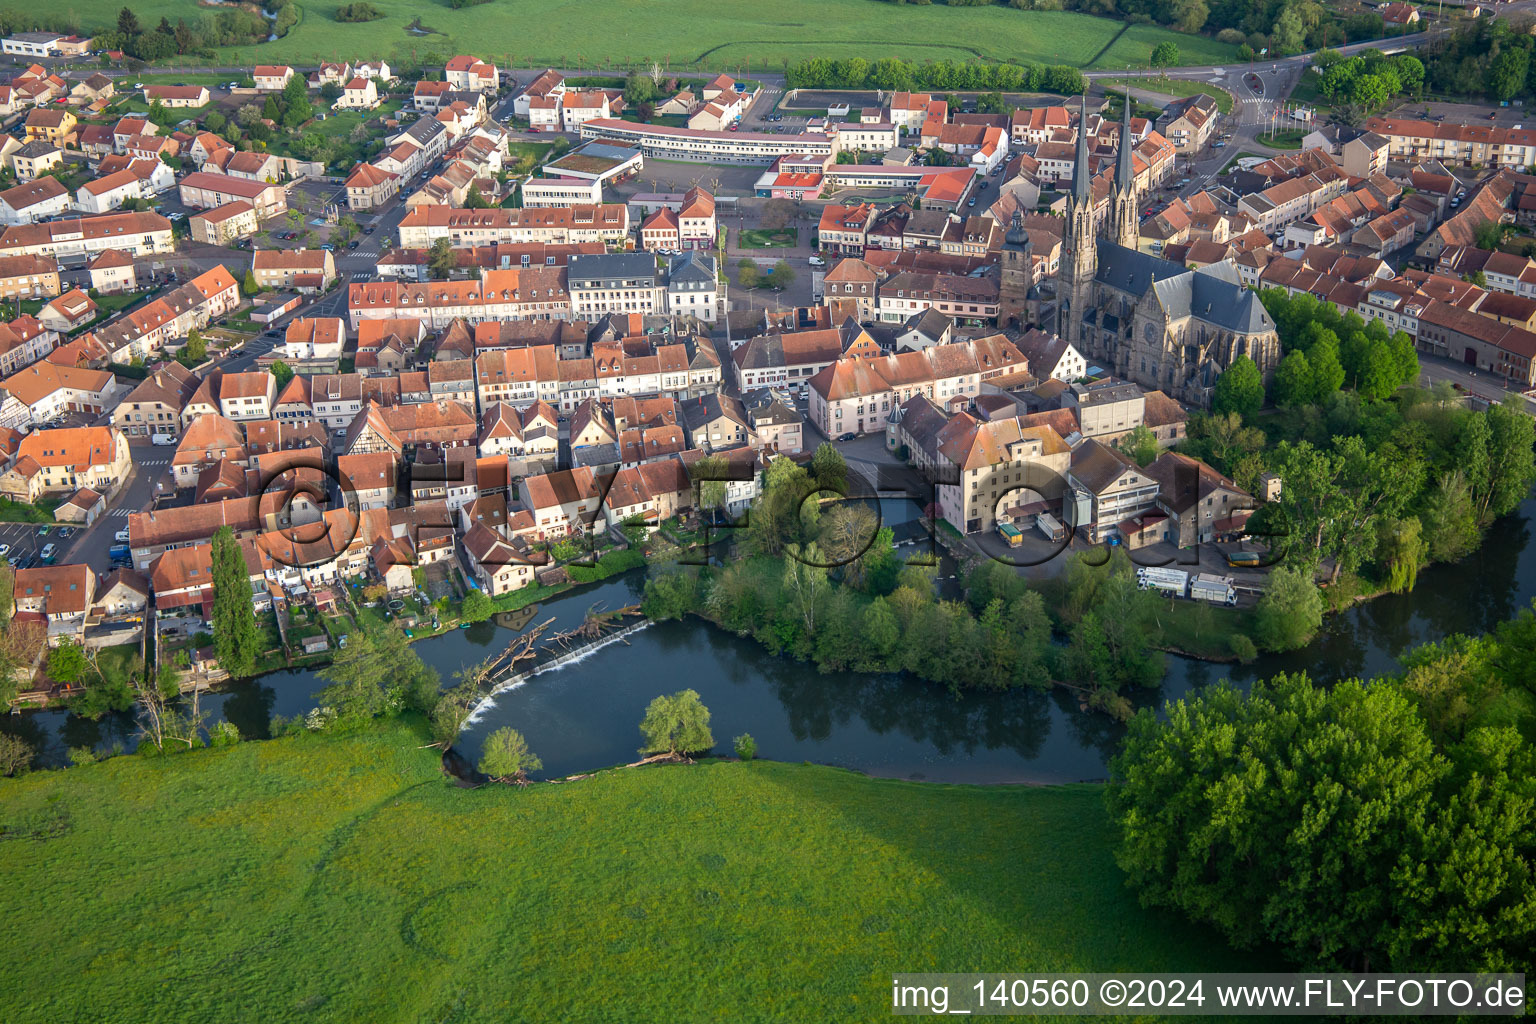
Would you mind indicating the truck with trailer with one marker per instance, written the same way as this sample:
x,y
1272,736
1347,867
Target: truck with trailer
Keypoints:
x,y
1213,588
1170,581
1010,533
1051,527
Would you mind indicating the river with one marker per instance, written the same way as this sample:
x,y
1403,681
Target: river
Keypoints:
x,y
585,714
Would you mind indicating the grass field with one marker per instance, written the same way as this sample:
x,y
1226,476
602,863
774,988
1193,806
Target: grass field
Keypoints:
x,y
344,879
739,35
1177,87
1284,139
762,238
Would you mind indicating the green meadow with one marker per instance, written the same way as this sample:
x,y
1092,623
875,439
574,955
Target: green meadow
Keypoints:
x,y
741,35
344,878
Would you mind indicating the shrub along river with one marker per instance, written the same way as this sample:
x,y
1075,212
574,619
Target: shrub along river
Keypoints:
x,y
585,714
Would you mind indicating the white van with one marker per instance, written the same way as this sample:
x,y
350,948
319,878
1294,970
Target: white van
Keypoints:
x,y
163,439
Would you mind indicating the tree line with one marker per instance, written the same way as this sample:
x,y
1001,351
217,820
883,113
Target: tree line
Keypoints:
x,y
820,582
1368,81
201,35
1383,825
1279,26
893,74
1484,58
1379,480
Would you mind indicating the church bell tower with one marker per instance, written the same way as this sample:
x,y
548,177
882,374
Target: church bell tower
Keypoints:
x,y
1080,255
1125,226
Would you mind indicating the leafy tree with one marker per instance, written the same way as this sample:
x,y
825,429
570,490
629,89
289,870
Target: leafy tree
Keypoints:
x,y
805,582
195,350
670,596
1240,388
1450,518
249,285
829,468
477,607
236,637
1404,550
745,746
639,88
747,274
282,373
1165,55
346,229
1512,464
296,108
778,214
676,724
473,200
378,673
849,533
1327,372
1488,234
16,754
1290,612
1507,75
1326,822
781,276
157,113
441,259
1292,384
224,734
66,663
506,757
1140,444
710,474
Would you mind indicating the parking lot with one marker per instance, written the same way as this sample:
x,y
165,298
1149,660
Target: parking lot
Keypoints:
x,y
24,543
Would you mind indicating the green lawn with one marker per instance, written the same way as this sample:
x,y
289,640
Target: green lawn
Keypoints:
x,y
1177,87
121,300
21,512
1290,139
186,77
739,35
324,878
763,238
538,150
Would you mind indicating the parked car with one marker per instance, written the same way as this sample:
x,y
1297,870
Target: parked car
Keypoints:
x,y
43,531
847,437
67,532
817,261
121,535
5,549
49,553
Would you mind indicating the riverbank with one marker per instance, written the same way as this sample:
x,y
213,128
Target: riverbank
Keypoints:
x,y
344,877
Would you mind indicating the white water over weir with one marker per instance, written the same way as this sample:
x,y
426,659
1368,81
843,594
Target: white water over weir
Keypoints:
x,y
517,679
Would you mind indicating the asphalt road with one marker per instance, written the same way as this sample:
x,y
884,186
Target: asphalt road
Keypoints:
x,y
91,544
1477,383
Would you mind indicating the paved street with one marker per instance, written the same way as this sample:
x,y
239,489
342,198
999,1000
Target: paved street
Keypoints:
x,y
91,544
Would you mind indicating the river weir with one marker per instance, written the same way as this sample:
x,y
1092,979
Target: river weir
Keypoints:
x,y
570,657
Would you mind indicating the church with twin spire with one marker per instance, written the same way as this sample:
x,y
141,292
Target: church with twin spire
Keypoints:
x,y
1140,317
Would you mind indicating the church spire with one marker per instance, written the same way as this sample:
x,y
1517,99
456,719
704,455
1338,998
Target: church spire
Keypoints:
x,y
1017,235
1125,177
1080,172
